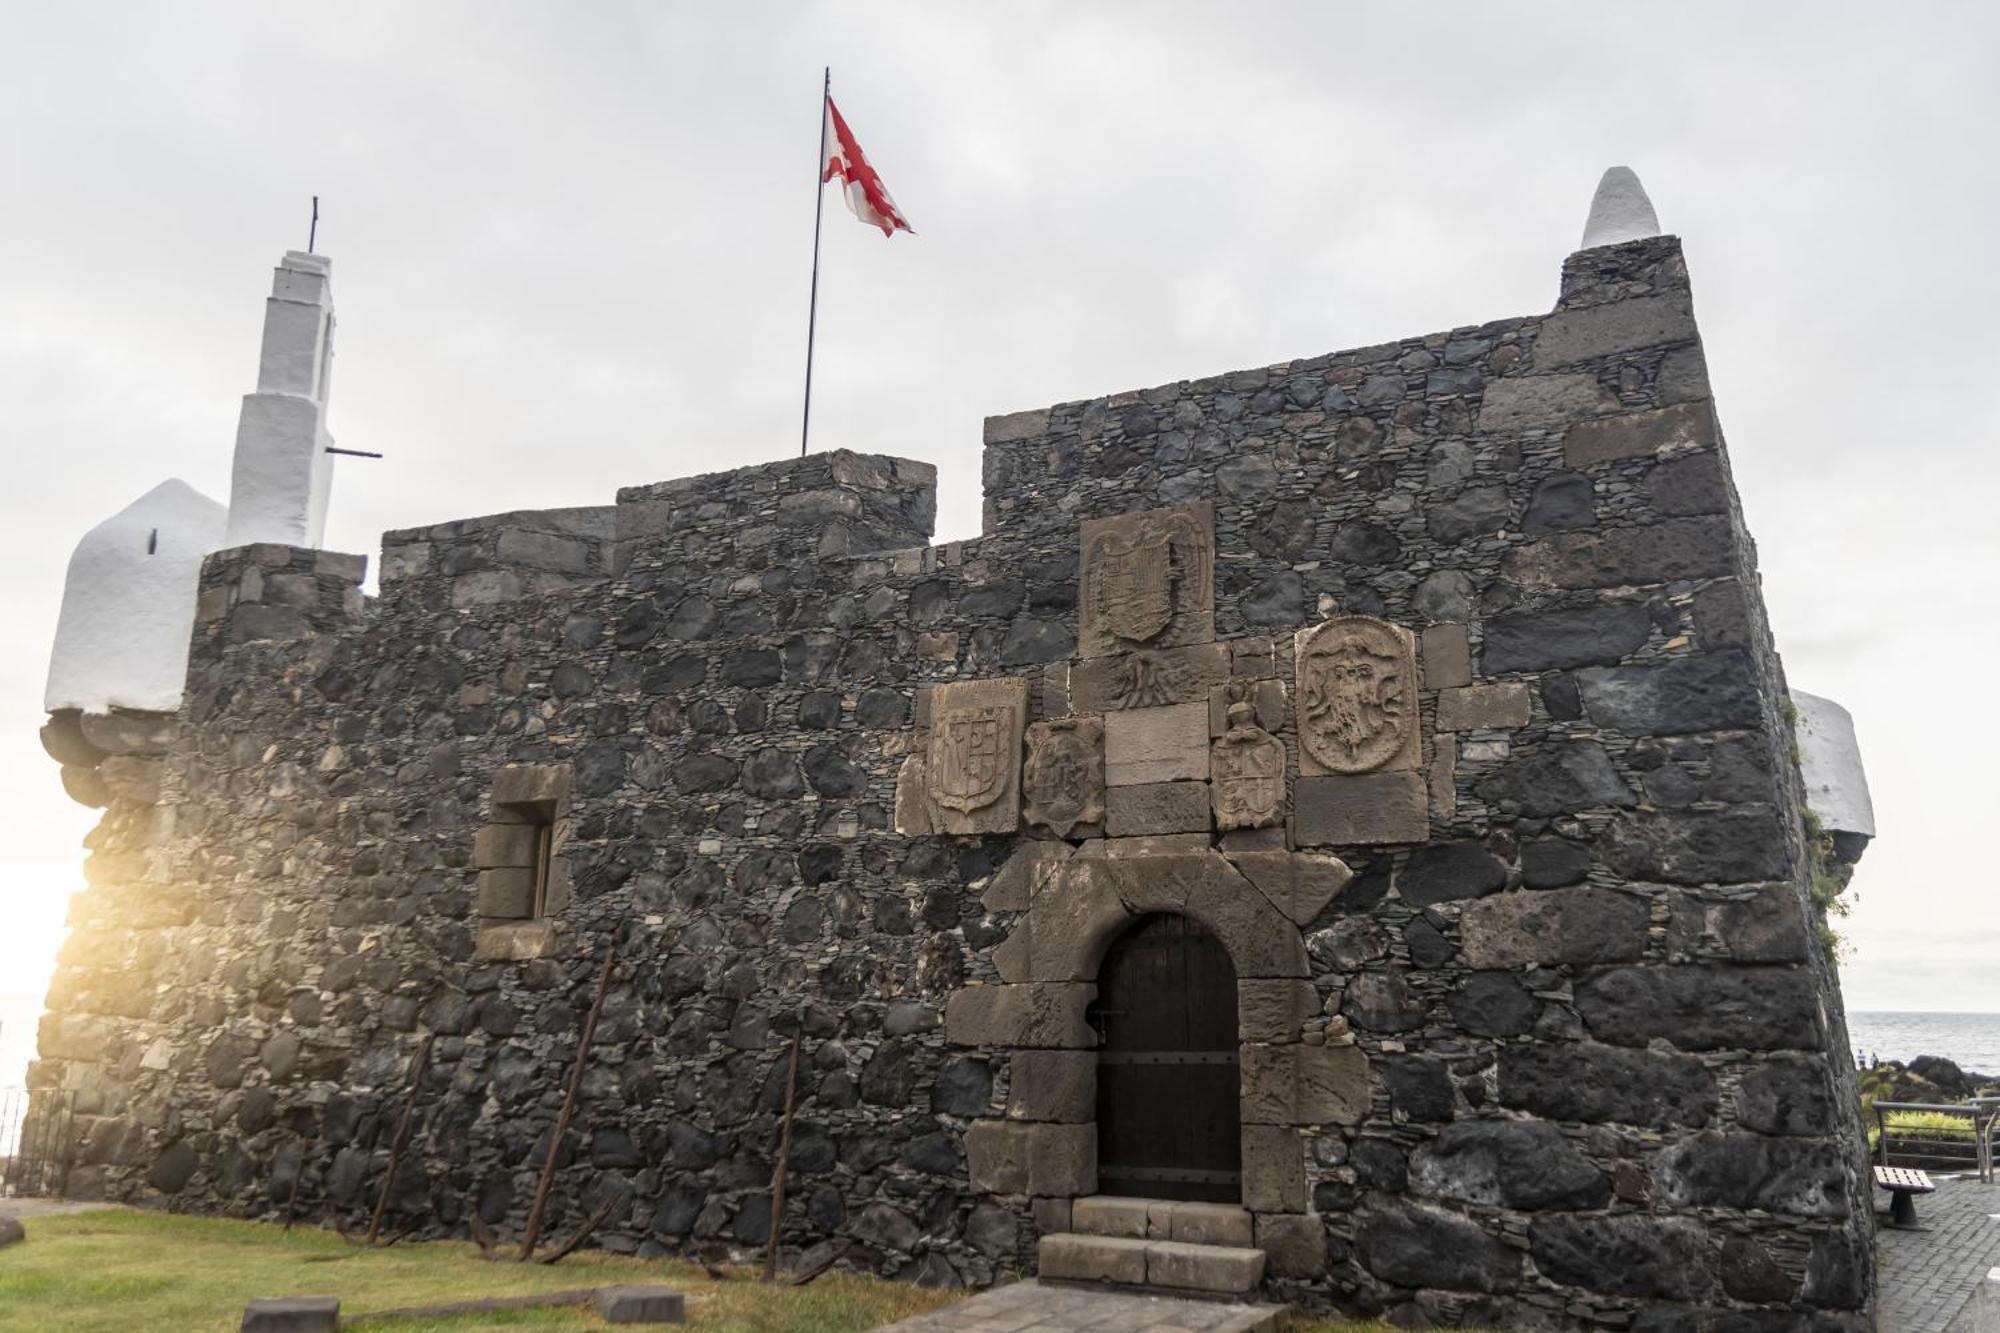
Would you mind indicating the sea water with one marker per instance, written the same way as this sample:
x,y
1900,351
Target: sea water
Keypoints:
x,y
1971,1041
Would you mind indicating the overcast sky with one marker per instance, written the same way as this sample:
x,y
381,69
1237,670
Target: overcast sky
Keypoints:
x,y
571,248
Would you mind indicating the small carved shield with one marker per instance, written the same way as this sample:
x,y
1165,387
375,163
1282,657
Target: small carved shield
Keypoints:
x,y
1135,585
969,766
1063,782
1248,766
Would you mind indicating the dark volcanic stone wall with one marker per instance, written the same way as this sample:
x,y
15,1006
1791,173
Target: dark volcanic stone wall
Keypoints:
x,y
1609,1082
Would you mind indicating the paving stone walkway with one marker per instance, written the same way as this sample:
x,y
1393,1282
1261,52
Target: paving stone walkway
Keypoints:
x,y
1030,1307
1930,1278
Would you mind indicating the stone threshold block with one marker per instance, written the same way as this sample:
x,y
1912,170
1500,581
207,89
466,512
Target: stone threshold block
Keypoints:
x,y
1170,1264
640,1304
292,1314
1162,1219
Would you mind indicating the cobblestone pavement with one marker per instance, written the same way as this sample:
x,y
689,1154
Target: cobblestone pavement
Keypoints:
x,y
1030,1307
1929,1277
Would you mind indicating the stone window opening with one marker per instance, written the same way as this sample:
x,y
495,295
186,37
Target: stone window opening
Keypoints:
x,y
523,882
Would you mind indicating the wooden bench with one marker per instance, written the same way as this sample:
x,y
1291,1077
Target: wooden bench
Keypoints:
x,y
1902,1183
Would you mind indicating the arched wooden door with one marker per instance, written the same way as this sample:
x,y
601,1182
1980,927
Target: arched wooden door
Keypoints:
x,y
1168,1118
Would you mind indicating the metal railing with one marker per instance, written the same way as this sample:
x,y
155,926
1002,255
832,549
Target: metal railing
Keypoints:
x,y
36,1135
1936,1148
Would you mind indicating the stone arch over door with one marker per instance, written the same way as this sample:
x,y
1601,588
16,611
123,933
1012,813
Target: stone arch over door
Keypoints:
x,y
1073,903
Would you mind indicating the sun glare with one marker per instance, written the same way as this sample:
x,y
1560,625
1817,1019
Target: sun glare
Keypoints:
x,y
34,897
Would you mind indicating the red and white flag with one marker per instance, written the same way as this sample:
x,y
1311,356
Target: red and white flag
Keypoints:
x,y
867,198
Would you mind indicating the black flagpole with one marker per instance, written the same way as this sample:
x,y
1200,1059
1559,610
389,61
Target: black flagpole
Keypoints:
x,y
819,201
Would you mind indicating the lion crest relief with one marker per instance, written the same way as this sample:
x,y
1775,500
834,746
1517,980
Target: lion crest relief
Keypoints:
x,y
1357,696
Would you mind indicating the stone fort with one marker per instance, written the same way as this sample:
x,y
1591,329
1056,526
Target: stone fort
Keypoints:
x,y
1337,835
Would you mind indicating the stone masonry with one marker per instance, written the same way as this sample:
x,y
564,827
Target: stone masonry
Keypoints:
x,y
1431,678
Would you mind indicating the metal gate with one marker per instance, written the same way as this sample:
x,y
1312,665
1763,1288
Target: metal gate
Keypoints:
x,y
35,1134
1168,1114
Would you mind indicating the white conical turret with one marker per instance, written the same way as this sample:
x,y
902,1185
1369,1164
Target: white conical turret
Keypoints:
x,y
128,603
1619,211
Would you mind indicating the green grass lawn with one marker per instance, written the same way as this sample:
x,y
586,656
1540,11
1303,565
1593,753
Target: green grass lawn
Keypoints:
x,y
115,1271
123,1271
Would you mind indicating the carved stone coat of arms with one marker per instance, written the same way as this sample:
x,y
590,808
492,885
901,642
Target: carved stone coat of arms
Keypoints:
x,y
1062,782
1247,772
1148,580
1357,696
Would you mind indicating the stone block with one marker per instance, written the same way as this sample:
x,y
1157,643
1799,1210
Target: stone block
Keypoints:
x,y
1735,846
1640,434
499,845
1543,402
1447,657
1024,874
1548,926
1048,1016
11,1232
1052,1216
543,550
1294,1244
1059,1086
1260,940
292,1314
1070,1257
1209,1224
1015,426
1541,641
1069,923
1148,680
972,766
1062,1159
996,1159
531,784
1304,1085
1145,848
1590,1083
1108,1215
1703,1008
507,894
1274,1169
1663,552
1213,1268
516,941
1570,336
1155,745
1715,691
1362,809
1275,1009
640,1304
1156,808
1483,707
1766,926
1297,883
1443,778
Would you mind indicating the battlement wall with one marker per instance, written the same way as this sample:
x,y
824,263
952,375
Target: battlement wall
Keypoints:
x,y
1568,931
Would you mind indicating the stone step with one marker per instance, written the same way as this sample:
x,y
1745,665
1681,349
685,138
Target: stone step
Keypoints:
x,y
1164,1265
1162,1219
